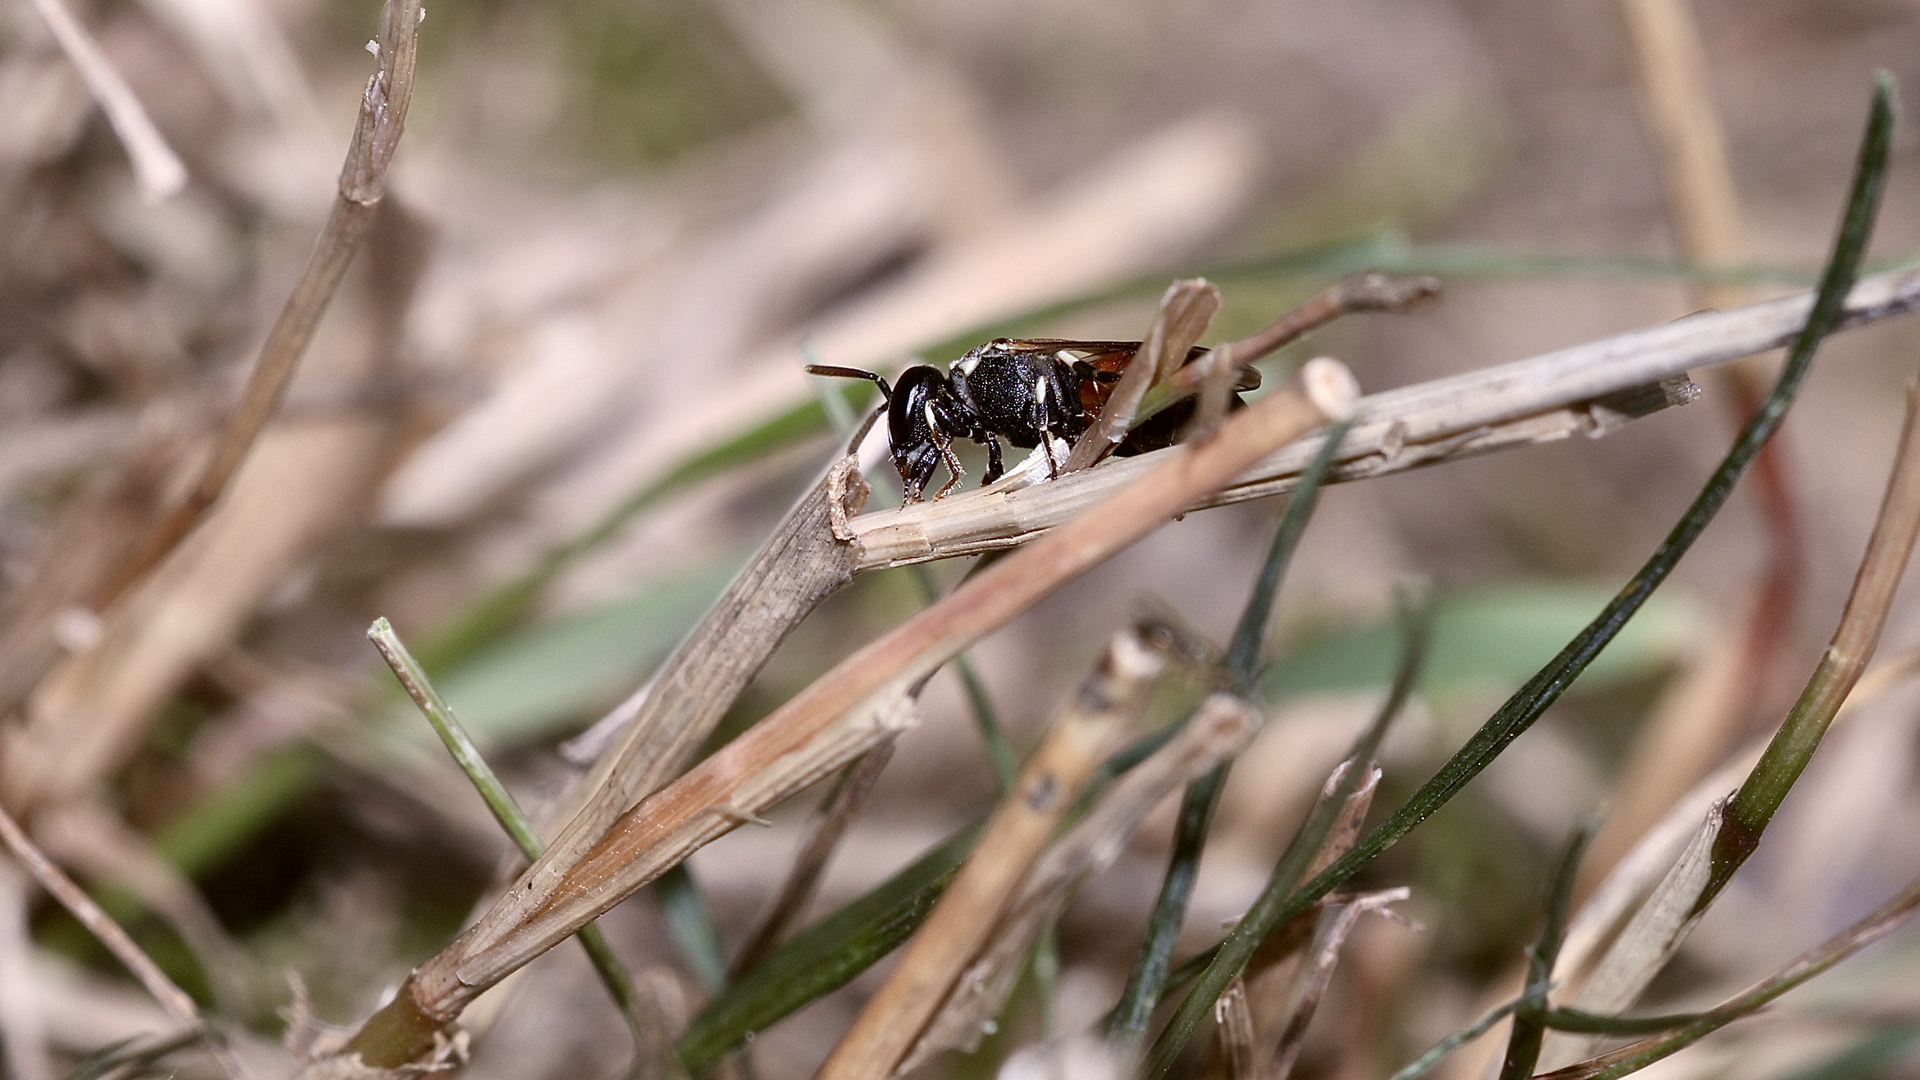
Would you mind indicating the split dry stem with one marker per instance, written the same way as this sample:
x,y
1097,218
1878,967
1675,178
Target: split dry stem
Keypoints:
x,y
1110,699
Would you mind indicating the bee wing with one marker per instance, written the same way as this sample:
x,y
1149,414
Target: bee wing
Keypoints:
x,y
1112,357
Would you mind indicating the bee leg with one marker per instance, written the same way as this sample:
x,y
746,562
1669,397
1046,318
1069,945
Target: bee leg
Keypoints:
x,y
995,465
953,465
1041,425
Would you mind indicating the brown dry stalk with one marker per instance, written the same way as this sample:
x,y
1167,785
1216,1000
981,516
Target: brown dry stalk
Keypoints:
x,y
1235,1020
829,825
1362,292
839,716
1290,937
101,925
1671,70
798,566
1264,974
363,178
1185,311
92,839
1108,700
1214,375
1336,922
1221,728
1552,396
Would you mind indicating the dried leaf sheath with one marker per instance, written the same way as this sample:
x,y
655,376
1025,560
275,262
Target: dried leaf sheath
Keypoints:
x,y
793,571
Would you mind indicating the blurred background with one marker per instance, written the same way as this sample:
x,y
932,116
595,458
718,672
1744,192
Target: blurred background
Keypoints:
x,y
566,370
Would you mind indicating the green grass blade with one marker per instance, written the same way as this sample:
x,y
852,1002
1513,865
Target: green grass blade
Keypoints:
x,y
1595,1024
1633,1058
832,952
825,956
1423,1064
618,981
1520,711
1529,1021
1149,976
692,926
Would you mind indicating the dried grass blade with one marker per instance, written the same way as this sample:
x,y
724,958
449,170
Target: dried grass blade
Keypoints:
x,y
1526,706
1110,698
1636,875
1221,728
506,810
1692,150
23,1023
1233,1021
83,908
363,177
798,566
97,844
1647,942
1186,309
1733,829
1330,933
1362,292
1540,399
1629,1059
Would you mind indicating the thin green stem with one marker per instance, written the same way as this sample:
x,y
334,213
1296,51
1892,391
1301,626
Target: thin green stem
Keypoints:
x,y
1792,747
1529,1021
1249,642
1633,1058
1001,756
1149,976
1421,1065
1277,905
1595,1024
828,954
513,820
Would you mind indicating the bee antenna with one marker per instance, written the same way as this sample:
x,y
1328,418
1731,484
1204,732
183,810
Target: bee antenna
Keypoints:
x,y
852,373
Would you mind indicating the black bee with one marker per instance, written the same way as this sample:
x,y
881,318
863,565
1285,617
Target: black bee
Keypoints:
x,y
1019,390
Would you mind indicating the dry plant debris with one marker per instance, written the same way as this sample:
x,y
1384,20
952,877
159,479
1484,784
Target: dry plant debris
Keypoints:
x,y
534,400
